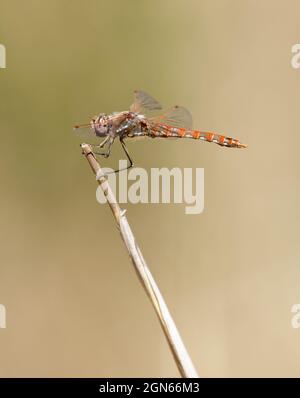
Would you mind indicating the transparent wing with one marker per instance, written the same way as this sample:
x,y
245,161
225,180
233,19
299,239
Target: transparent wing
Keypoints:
x,y
178,116
86,134
142,101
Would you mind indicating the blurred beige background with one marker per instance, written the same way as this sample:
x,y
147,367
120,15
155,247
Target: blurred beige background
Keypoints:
x,y
230,275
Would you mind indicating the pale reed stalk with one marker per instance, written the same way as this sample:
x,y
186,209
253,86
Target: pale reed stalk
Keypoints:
x,y
180,354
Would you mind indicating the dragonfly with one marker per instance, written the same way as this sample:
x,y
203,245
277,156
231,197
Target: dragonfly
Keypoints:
x,y
139,121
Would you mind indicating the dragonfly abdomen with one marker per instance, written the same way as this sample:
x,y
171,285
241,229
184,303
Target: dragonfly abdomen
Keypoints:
x,y
165,131
219,139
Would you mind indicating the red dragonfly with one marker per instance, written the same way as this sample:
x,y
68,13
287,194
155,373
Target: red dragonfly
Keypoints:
x,y
174,123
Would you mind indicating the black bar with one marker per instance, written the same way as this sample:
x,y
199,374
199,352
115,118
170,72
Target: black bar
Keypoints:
x,y
131,387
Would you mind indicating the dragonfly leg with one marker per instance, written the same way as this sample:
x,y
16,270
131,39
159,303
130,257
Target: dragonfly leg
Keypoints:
x,y
101,145
107,153
127,155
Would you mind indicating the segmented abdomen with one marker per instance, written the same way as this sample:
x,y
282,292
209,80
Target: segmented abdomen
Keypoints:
x,y
165,131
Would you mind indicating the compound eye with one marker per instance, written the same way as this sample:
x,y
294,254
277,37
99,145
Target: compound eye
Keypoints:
x,y
104,121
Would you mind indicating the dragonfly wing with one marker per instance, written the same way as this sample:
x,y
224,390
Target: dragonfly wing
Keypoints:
x,y
142,101
178,116
86,134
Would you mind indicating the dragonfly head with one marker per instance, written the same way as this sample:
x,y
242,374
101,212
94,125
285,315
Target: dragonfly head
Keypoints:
x,y
100,125
90,132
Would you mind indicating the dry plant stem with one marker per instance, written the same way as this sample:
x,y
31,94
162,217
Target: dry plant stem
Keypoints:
x,y
181,356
